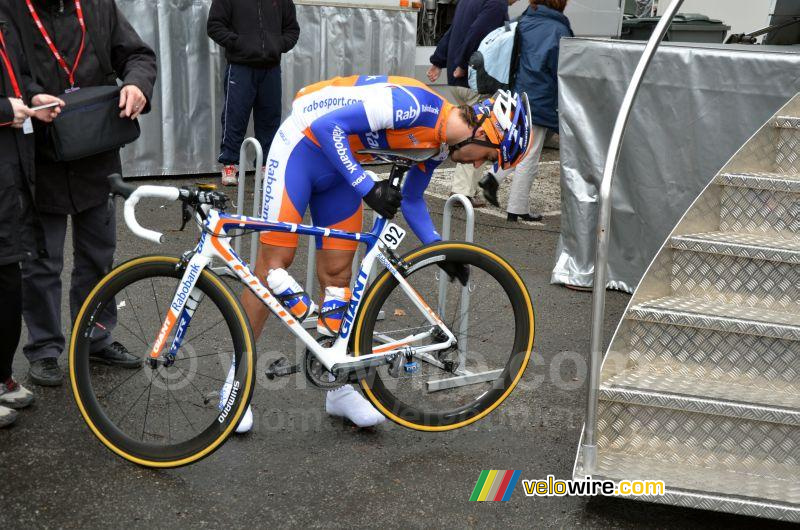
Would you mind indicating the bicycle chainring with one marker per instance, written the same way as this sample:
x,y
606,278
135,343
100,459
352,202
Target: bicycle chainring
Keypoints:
x,y
317,374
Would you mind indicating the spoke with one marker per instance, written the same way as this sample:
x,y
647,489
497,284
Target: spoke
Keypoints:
x,y
204,332
202,396
133,404
208,377
169,420
136,316
122,383
147,407
155,299
197,356
132,333
180,408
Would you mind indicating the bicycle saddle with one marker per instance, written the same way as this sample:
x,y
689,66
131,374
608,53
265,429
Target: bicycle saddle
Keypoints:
x,y
403,156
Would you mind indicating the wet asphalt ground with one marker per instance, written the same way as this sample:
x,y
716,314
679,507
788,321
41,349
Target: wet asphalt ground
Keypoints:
x,y
301,468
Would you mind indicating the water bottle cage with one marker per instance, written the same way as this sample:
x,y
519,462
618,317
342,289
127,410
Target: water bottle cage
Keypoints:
x,y
323,315
285,298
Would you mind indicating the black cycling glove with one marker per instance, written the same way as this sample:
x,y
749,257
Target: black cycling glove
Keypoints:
x,y
455,270
384,199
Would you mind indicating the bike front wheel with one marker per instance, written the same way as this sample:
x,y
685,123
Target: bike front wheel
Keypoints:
x,y
492,319
163,414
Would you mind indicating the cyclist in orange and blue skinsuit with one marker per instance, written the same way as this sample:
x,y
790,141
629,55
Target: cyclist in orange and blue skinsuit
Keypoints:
x,y
314,162
318,145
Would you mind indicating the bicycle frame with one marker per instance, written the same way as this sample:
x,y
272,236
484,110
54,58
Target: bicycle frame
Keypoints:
x,y
215,243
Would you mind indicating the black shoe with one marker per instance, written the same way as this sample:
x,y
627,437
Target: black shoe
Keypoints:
x,y
45,372
513,217
489,185
116,354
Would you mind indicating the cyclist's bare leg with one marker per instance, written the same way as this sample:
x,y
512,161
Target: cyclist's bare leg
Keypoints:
x,y
334,268
269,257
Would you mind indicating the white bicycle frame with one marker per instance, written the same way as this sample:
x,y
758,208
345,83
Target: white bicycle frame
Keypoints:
x,y
215,243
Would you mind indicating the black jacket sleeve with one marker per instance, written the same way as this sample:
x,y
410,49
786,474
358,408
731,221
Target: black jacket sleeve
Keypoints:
x,y
132,59
439,57
220,25
290,31
6,111
492,15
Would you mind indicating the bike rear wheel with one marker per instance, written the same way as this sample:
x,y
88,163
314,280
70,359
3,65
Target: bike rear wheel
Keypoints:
x,y
494,324
171,414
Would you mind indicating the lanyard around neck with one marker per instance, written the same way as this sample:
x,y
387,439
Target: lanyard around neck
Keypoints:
x,y
9,69
61,62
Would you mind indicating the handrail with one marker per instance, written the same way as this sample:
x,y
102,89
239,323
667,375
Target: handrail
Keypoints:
x,y
603,232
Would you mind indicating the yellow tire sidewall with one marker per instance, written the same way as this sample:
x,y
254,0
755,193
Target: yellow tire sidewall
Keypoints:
x,y
370,298
249,352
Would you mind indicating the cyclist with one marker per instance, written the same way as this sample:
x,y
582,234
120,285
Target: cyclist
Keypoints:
x,y
314,162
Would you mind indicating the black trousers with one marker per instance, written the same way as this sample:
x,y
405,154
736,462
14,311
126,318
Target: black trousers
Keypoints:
x,y
10,315
94,239
256,90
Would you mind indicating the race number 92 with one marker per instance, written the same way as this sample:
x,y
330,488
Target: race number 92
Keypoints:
x,y
393,236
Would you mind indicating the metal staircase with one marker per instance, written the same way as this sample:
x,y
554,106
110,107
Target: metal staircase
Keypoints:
x,y
701,384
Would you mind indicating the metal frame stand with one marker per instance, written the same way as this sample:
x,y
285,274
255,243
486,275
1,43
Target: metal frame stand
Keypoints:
x,y
463,377
256,212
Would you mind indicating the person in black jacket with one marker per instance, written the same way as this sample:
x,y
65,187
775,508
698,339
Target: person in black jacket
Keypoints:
x,y
21,235
109,49
473,20
254,33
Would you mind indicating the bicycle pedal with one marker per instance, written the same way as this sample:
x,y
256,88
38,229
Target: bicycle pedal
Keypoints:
x,y
281,368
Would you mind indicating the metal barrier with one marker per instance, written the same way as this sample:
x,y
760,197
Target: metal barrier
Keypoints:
x,y
603,236
468,237
258,179
311,323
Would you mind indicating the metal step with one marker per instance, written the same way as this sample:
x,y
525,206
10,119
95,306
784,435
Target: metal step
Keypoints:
x,y
787,143
764,363
736,281
707,452
786,122
742,245
682,311
760,203
783,182
667,385
696,486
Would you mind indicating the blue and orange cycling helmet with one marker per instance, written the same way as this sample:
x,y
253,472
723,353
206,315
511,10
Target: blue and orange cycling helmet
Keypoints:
x,y
506,120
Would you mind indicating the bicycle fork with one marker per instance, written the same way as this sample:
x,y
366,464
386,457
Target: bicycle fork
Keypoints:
x,y
180,312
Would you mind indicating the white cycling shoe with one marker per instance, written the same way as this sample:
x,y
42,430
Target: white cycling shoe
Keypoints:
x,y
246,423
348,403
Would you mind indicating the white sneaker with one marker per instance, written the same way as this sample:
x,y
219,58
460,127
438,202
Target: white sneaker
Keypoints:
x,y
246,423
7,416
348,403
14,395
230,174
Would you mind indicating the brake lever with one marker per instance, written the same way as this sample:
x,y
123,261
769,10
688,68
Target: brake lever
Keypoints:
x,y
186,215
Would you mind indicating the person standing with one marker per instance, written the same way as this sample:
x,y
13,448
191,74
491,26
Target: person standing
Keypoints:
x,y
73,44
21,235
541,28
472,21
254,34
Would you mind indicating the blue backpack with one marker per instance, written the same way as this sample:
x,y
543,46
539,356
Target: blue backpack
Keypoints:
x,y
493,66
